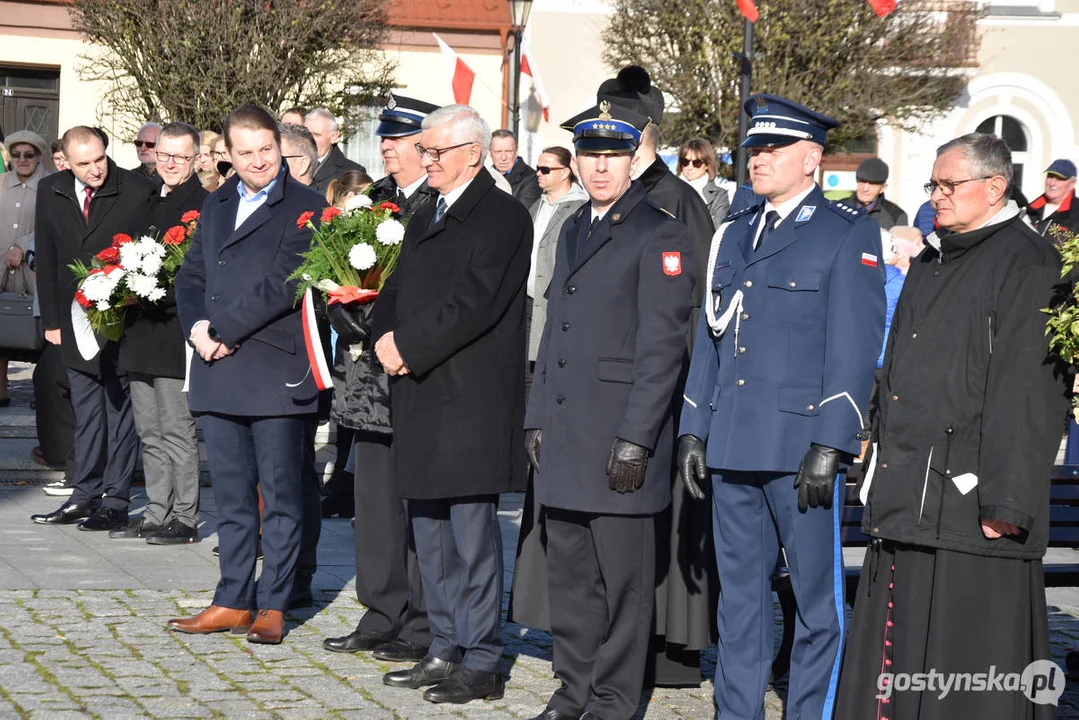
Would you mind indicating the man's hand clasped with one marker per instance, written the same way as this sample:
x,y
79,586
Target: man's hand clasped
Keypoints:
x,y
386,352
208,348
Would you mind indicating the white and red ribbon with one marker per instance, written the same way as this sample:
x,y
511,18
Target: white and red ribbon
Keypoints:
x,y
312,339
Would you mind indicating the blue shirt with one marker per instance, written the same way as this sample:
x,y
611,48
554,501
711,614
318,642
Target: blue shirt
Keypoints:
x,y
250,203
893,286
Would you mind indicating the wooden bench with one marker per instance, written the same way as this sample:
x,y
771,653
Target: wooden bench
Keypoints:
x,y
1063,533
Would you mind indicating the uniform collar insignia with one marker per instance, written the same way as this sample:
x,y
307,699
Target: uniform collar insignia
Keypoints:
x,y
805,213
616,217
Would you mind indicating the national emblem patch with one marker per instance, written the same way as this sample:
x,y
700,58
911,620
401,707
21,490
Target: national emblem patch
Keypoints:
x,y
672,263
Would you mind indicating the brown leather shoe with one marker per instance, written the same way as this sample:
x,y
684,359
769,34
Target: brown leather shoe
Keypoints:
x,y
268,628
213,619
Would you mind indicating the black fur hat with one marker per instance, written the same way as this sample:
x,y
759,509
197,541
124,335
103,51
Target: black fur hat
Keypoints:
x,y
632,88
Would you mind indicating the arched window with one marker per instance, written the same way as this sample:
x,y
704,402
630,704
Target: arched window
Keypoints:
x,y
1015,135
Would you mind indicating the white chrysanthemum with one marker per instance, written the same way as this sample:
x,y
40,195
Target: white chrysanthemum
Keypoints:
x,y
147,246
356,202
150,264
102,306
362,256
142,285
97,288
130,257
390,232
156,294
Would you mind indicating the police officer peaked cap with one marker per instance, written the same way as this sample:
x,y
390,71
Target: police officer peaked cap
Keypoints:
x,y
402,116
776,121
632,88
607,129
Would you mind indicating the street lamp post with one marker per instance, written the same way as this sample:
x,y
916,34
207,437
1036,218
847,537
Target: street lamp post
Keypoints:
x,y
519,11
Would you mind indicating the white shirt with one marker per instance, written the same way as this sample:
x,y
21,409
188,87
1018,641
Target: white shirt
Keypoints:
x,y
783,209
411,189
80,190
539,226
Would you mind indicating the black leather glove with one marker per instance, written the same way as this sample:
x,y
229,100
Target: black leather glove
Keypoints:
x,y
350,321
690,464
533,438
626,464
816,477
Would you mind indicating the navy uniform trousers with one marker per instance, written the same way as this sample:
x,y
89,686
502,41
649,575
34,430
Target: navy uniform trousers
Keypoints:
x,y
244,453
752,514
459,550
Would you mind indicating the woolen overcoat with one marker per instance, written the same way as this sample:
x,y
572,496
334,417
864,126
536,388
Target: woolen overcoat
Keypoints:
x,y
456,307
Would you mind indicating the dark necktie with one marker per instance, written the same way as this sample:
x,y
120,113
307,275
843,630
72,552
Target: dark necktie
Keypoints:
x,y
592,227
89,192
770,221
440,210
399,200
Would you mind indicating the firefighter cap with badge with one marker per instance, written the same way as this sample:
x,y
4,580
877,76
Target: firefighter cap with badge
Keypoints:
x,y
776,121
606,129
402,116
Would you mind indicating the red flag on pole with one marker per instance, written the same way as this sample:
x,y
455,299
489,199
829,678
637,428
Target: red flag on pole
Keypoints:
x,y
748,8
882,7
461,75
528,68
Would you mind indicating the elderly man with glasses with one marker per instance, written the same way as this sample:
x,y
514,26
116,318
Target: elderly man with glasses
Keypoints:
x,y
145,146
966,420
449,325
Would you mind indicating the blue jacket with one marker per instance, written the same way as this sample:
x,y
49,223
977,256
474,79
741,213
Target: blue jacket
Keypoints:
x,y
236,279
795,364
893,286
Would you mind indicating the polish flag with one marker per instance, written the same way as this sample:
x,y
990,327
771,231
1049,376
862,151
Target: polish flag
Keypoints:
x,y
882,7
461,75
528,67
748,9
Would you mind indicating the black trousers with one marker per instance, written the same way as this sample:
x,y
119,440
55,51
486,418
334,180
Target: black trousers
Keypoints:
x,y
601,585
387,575
105,440
55,416
311,525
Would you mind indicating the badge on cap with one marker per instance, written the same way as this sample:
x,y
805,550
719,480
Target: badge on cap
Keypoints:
x,y
672,263
869,259
805,213
391,102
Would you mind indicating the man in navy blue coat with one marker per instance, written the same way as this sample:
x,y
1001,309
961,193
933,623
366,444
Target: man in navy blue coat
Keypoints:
x,y
781,372
251,384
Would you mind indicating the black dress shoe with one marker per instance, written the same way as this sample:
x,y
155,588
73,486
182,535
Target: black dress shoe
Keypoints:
x,y
66,514
400,651
552,714
467,685
174,532
429,671
355,641
105,519
135,530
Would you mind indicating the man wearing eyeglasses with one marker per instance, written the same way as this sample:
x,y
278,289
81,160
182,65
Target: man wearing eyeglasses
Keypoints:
x,y
145,146
449,325
781,372
152,354
966,422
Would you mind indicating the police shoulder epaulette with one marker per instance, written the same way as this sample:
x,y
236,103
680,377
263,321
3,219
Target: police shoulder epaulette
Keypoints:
x,y
743,211
845,211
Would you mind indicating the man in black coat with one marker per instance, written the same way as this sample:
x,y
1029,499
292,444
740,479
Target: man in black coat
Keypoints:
x,y
252,383
600,421
78,213
332,163
450,329
519,175
152,353
966,420
872,177
388,582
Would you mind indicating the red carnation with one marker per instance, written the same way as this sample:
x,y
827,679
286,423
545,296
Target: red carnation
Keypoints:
x,y
389,206
175,235
303,219
190,216
330,213
119,239
108,269
110,254
81,299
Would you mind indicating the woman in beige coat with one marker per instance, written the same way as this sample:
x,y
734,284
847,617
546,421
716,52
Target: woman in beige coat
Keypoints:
x,y
18,197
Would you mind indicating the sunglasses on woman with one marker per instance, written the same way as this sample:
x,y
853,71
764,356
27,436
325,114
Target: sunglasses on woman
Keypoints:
x,y
686,162
545,170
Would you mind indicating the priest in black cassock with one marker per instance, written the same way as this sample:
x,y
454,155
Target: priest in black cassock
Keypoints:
x,y
966,421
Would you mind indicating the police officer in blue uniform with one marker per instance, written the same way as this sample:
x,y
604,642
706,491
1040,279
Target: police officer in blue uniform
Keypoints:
x,y
600,419
781,372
